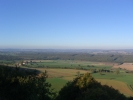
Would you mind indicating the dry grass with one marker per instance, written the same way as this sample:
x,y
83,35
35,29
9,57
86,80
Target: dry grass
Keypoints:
x,y
128,66
121,86
61,72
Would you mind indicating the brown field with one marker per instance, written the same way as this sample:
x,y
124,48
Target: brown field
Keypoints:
x,y
61,72
128,66
121,86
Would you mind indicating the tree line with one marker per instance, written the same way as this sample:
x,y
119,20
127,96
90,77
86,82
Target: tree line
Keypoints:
x,y
117,58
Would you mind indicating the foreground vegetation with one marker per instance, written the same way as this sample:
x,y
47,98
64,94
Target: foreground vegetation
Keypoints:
x,y
23,84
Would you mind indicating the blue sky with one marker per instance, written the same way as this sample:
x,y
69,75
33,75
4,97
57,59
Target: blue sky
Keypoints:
x,y
66,24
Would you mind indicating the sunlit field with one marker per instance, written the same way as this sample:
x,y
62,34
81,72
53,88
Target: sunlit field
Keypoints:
x,y
61,71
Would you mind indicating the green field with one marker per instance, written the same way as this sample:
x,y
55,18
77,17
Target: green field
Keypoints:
x,y
62,71
57,83
120,82
66,64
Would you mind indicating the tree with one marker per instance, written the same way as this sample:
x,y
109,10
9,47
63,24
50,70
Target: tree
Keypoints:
x,y
87,88
18,84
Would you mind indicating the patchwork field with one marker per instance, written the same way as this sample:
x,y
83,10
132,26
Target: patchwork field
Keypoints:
x,y
67,64
58,83
127,66
121,86
61,71
59,77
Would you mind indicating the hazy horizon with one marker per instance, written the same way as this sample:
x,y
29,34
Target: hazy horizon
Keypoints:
x,y
67,24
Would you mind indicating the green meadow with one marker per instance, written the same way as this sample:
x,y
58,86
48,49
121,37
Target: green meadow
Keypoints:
x,y
66,64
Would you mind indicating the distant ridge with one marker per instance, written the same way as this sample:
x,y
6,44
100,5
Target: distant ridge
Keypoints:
x,y
93,51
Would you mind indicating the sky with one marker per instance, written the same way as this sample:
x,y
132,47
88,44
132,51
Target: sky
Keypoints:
x,y
66,24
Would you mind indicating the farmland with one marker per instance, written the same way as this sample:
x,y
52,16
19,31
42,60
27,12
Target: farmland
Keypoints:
x,y
109,69
61,71
121,86
120,82
67,64
128,66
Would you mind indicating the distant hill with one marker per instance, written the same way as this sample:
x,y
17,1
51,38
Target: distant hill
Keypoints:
x,y
91,51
